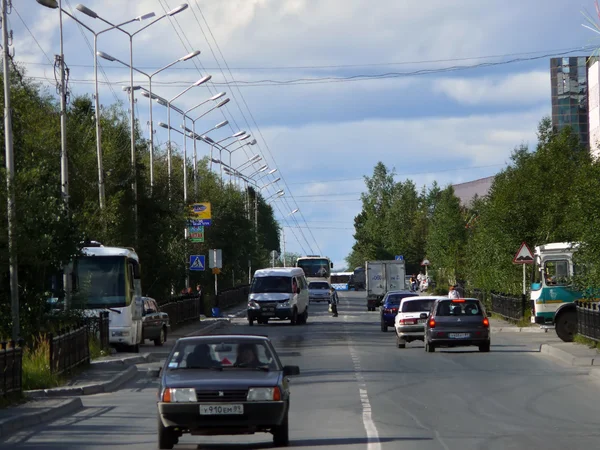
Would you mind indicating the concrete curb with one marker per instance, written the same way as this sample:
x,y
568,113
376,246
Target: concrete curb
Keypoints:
x,y
518,330
567,357
13,424
89,389
126,360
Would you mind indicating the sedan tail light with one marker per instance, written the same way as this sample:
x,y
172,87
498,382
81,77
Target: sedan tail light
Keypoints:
x,y
431,323
486,322
390,310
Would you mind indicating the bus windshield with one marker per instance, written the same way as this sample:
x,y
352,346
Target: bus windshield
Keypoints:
x,y
340,279
101,282
314,267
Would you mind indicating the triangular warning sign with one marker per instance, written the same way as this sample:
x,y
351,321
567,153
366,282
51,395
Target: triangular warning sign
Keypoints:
x,y
197,263
225,361
524,255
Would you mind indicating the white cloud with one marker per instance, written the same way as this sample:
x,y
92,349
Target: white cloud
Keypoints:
x,y
521,88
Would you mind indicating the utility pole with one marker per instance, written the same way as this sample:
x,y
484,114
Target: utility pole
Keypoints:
x,y
10,178
64,162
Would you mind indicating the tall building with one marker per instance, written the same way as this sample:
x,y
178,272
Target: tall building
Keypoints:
x,y
594,108
569,78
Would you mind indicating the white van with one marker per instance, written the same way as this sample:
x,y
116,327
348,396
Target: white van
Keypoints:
x,y
279,292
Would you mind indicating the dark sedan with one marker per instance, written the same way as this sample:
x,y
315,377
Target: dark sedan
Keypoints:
x,y
223,385
389,307
457,323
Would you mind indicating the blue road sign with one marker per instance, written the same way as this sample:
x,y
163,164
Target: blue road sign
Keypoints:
x,y
399,257
197,262
200,222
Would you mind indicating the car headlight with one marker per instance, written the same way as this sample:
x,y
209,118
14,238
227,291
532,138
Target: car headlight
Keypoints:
x,y
179,395
252,304
264,394
285,304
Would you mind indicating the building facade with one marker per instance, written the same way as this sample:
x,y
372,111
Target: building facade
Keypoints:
x,y
569,77
594,108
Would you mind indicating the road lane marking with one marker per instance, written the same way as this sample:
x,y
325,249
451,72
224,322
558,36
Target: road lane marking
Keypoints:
x,y
373,442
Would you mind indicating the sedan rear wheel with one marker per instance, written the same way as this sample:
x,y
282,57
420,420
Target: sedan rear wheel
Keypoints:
x,y
429,347
384,327
161,339
401,343
485,347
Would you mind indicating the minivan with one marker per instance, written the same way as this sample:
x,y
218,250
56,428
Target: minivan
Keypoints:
x,y
279,292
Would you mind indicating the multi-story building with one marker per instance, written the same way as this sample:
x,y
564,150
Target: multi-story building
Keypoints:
x,y
569,78
594,108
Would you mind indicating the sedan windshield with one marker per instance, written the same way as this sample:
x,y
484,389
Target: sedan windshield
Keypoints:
x,y
261,285
416,306
318,285
459,308
394,299
219,354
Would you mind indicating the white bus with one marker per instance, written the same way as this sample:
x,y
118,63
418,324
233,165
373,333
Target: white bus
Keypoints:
x,y
340,280
316,268
109,279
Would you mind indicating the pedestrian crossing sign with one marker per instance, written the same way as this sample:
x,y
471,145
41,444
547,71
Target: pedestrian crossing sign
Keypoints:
x,y
197,262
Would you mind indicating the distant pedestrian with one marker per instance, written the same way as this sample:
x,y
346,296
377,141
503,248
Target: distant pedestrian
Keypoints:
x,y
453,293
333,301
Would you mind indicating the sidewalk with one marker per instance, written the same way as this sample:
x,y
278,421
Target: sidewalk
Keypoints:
x,y
106,374
502,326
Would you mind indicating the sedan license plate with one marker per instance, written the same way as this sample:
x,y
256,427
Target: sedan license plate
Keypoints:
x,y
422,320
458,335
221,410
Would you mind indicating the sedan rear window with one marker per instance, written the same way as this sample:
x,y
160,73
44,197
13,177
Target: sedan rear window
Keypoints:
x,y
395,299
417,306
459,308
318,285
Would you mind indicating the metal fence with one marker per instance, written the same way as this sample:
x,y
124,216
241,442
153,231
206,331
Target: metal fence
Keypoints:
x,y
11,368
98,327
512,308
182,309
69,349
588,320
233,296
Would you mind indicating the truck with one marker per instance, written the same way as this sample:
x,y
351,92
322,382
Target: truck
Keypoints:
x,y
552,292
381,277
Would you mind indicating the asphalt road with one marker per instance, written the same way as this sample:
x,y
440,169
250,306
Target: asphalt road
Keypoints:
x,y
358,391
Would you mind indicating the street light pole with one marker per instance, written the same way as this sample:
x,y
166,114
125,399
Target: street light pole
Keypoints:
x,y
10,179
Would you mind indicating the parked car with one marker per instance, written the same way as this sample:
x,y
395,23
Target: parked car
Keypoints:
x,y
389,307
457,323
155,323
318,291
223,385
409,324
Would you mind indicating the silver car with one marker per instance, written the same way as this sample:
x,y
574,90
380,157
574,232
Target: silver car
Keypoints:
x,y
412,315
319,291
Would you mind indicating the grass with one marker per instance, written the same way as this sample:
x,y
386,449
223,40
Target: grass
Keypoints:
x,y
36,366
590,343
96,351
522,323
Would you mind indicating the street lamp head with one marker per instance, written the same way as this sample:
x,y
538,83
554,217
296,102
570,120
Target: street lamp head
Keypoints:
x,y
239,133
187,129
145,16
48,3
128,88
276,180
224,102
255,158
160,101
216,161
105,56
207,139
189,55
243,138
221,124
252,142
295,211
162,124
177,10
217,96
280,193
272,171
263,168
202,80
87,11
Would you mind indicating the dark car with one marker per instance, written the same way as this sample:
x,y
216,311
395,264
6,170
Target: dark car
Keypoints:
x,y
459,322
389,307
223,385
155,323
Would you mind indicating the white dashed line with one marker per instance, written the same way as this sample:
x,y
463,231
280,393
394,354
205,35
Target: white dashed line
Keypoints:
x,y
373,442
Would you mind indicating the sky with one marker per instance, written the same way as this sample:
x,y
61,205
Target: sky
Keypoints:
x,y
441,91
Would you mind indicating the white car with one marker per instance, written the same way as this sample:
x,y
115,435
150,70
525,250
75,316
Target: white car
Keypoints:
x,y
412,315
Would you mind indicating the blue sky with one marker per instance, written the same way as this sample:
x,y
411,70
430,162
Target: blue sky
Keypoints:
x,y
450,126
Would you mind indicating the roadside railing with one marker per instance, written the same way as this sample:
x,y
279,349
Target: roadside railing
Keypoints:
x,y
98,327
11,368
69,349
588,319
182,309
232,296
512,308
